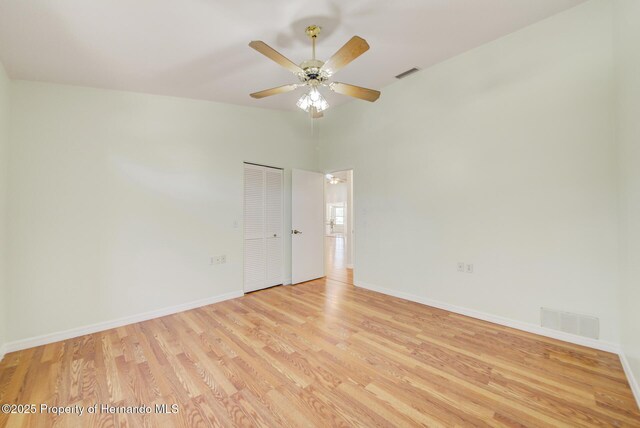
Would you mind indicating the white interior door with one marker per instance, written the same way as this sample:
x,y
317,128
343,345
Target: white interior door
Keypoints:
x,y
263,227
307,222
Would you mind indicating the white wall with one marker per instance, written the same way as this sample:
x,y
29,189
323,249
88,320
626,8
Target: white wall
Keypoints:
x,y
118,200
4,146
627,21
503,157
336,193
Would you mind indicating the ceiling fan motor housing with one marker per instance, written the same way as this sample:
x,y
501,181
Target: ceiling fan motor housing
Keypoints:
x,y
312,72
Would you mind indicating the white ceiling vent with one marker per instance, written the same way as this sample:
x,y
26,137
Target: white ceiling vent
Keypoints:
x,y
582,325
407,73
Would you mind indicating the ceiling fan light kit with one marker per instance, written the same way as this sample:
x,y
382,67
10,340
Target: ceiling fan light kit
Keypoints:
x,y
313,100
331,179
314,73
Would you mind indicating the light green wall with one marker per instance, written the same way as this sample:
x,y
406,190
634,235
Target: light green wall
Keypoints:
x,y
118,200
4,151
503,157
627,24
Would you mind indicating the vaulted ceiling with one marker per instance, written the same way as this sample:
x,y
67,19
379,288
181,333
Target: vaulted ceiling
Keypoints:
x,y
198,48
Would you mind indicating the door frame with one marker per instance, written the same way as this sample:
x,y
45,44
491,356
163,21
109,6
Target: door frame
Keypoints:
x,y
282,249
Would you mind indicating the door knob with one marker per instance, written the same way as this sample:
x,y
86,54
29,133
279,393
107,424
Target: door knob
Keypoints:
x,y
295,232
275,235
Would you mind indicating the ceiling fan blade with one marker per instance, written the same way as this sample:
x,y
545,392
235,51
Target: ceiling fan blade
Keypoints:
x,y
355,91
274,55
347,53
315,114
275,91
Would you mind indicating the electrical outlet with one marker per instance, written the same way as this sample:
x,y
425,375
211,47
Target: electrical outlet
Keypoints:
x,y
460,266
469,268
216,260
223,259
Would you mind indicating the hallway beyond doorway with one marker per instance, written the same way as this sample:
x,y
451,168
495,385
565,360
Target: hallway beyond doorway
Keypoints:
x,y
335,259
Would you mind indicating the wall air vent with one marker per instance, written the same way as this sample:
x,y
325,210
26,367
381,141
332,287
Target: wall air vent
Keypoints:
x,y
582,325
407,73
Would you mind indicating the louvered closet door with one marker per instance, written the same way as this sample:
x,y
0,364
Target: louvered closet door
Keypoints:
x,y
263,223
273,214
255,266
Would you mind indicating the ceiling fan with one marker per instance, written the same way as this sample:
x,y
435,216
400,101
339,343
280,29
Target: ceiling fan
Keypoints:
x,y
332,179
314,73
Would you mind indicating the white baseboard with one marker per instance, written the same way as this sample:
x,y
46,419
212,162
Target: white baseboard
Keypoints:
x,y
3,351
507,322
349,266
45,339
633,382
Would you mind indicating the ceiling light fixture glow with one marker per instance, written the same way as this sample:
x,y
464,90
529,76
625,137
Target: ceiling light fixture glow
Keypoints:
x,y
313,99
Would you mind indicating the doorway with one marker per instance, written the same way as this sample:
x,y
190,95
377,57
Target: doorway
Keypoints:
x,y
339,233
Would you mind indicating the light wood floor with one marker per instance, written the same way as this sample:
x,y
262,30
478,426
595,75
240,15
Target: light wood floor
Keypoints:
x,y
323,354
335,260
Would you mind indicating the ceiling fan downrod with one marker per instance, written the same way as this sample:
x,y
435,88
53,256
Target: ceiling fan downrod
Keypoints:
x,y
313,31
